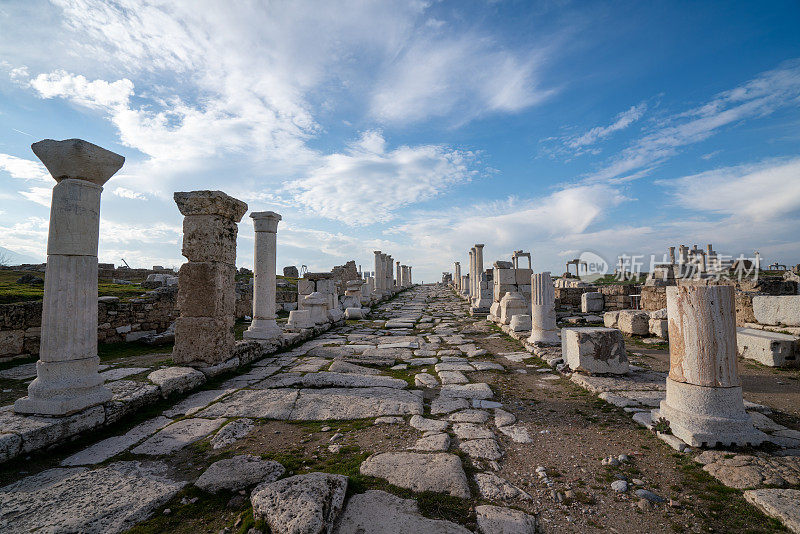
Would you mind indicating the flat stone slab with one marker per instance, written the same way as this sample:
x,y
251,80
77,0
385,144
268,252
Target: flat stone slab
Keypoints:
x,y
487,366
196,402
176,379
472,431
355,403
20,372
119,373
468,391
442,404
301,504
177,436
453,377
349,380
486,449
425,380
110,447
744,471
239,472
339,366
782,504
469,416
428,425
494,488
255,403
432,442
635,381
378,512
517,433
496,519
231,433
110,499
453,366
437,472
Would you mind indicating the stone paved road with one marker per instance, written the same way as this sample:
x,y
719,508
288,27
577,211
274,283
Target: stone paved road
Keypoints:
x,y
405,401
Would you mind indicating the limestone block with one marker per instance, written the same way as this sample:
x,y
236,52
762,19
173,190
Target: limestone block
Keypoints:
x,y
497,519
594,350
522,276
206,289
239,472
591,302
203,340
506,277
11,342
769,348
520,323
634,322
176,379
512,304
354,313
610,319
300,319
305,287
209,238
74,219
774,310
435,472
209,203
658,327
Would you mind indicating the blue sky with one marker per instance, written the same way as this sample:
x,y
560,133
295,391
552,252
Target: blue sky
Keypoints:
x,y
417,128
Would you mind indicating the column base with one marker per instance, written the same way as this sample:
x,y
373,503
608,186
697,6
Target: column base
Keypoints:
x,y
63,388
707,416
263,329
544,337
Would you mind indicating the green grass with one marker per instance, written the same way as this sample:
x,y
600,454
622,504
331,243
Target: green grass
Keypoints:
x,y
112,351
11,291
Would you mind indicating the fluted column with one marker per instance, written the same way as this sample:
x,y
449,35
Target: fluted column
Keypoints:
x,y
704,403
264,326
67,377
543,310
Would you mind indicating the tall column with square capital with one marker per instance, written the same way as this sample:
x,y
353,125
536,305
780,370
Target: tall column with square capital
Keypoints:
x,y
264,326
67,373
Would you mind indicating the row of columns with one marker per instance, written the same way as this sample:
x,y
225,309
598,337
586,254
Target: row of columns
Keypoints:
x,y
68,378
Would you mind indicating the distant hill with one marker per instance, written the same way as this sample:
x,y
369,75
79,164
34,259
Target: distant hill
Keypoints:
x,y
15,258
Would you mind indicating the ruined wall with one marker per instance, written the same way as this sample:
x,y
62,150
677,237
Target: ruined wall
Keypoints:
x,y
654,298
571,296
285,298
617,296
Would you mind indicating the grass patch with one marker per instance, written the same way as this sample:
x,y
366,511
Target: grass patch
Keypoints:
x,y
11,291
113,351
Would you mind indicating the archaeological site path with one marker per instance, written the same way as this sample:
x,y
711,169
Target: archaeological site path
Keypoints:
x,y
417,419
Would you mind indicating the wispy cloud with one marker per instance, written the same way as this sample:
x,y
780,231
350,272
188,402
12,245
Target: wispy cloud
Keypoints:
x,y
24,169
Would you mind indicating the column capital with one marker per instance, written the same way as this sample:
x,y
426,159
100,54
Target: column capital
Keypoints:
x,y
209,203
478,246
78,159
265,221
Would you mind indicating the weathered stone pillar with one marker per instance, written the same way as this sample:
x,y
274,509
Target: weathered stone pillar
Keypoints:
x,y
389,273
206,283
264,326
410,278
471,274
704,404
67,377
480,301
672,255
543,310
399,280
378,289
457,277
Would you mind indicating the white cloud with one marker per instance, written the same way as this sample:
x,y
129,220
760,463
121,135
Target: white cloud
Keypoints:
x,y
367,183
26,237
124,192
760,192
96,94
623,120
39,195
24,169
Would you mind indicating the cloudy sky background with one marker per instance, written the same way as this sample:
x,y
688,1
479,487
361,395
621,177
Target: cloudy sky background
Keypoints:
x,y
417,128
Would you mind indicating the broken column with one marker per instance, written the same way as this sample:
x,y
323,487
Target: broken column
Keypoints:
x,y
264,327
543,311
704,404
206,283
67,377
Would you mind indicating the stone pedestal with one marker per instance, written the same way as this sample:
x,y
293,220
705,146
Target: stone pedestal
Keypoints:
x,y
264,327
299,319
543,311
206,295
594,350
67,377
317,305
512,304
704,404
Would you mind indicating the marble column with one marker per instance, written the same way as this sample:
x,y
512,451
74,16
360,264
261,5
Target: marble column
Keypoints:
x,y
471,293
206,283
264,326
67,377
543,311
378,285
410,279
457,276
389,272
480,301
704,403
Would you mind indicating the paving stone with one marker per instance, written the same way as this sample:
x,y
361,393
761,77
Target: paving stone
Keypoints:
x,y
494,488
378,512
110,447
425,380
355,403
339,366
258,404
349,380
237,473
195,402
176,379
119,373
301,504
428,425
743,471
453,366
436,472
109,499
486,449
469,416
472,431
468,391
499,520
441,405
177,435
782,504
503,418
432,442
231,433
453,377
487,366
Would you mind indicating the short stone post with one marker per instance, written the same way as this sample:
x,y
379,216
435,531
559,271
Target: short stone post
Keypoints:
x,y
206,283
543,311
264,327
67,377
704,404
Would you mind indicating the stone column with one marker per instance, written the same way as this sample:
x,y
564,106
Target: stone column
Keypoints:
x,y
399,276
543,311
410,280
457,277
264,326
704,404
479,301
672,255
206,283
378,273
389,272
67,377
471,273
